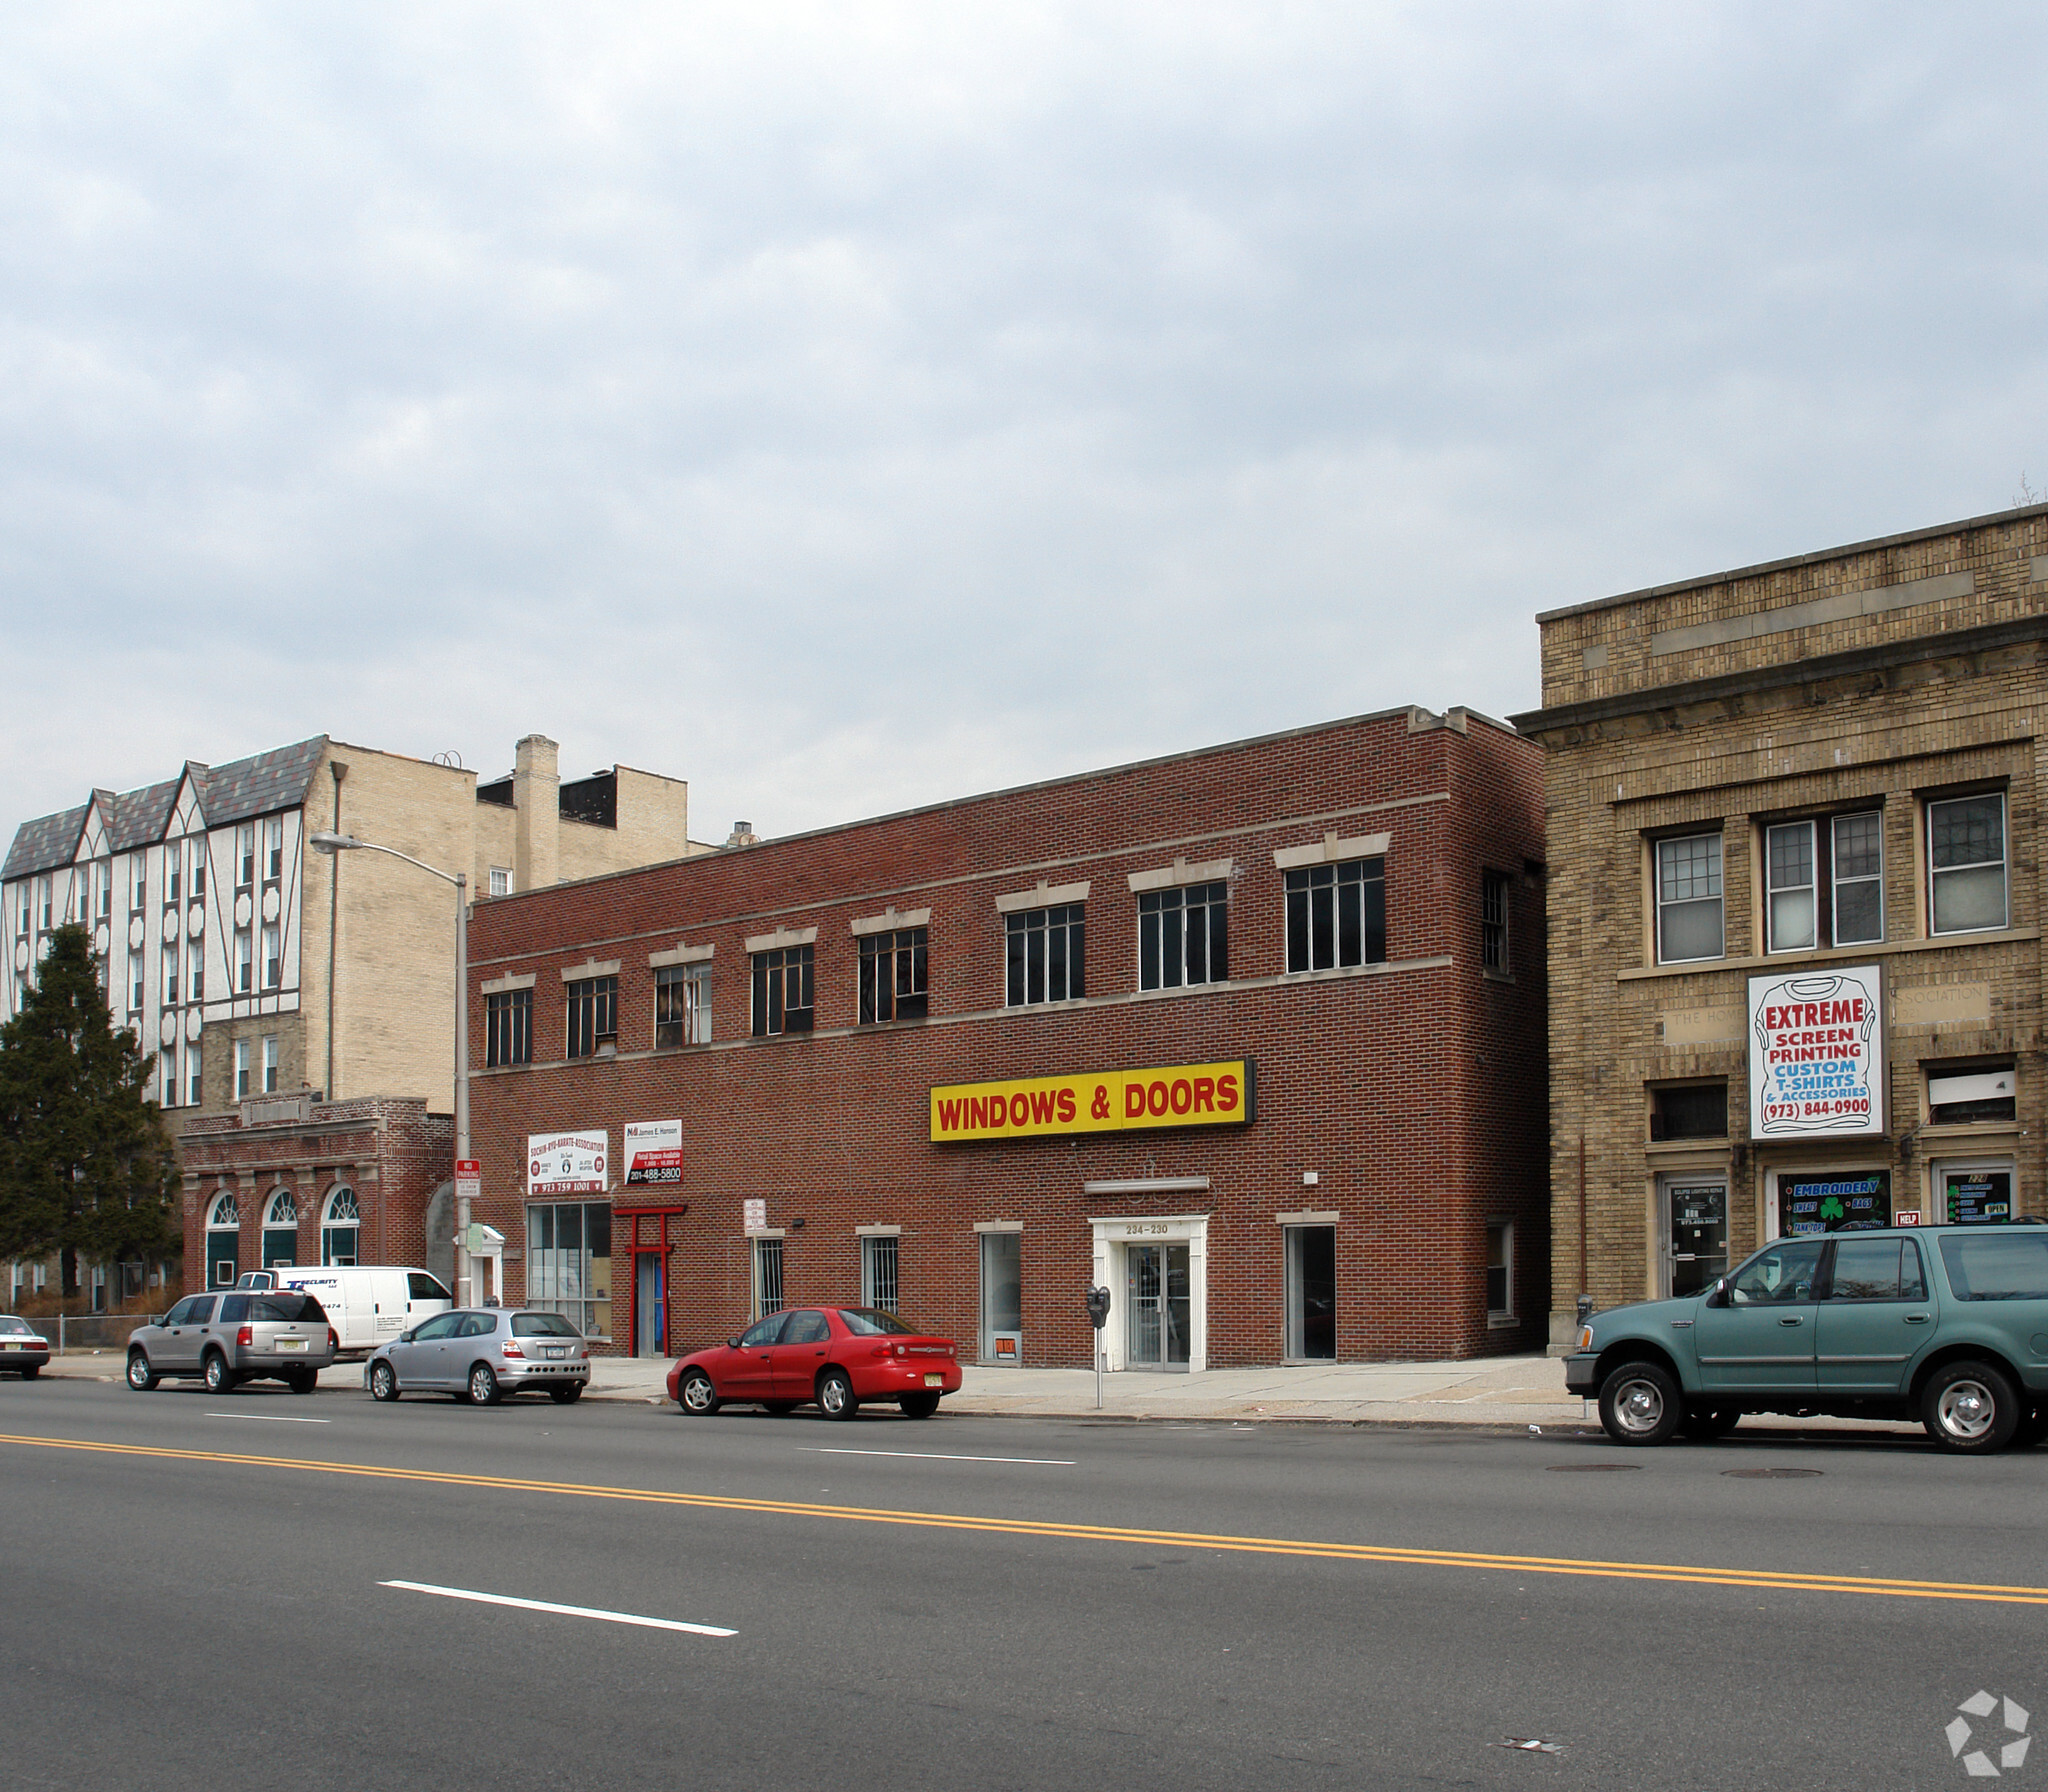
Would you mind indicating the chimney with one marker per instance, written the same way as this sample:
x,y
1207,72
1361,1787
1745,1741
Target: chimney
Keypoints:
x,y
742,835
537,803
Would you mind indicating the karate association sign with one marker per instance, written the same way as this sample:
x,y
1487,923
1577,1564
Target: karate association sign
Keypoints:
x,y
566,1163
1816,1054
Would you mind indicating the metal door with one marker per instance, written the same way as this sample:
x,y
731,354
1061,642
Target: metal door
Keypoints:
x,y
650,1303
1158,1306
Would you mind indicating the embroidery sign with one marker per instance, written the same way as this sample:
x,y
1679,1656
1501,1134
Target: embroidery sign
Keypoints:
x,y
1816,1055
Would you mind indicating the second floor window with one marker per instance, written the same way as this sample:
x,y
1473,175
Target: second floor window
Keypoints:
x,y
1047,955
508,1028
783,993
273,958
1824,882
1337,915
241,1068
244,958
1689,915
593,1015
682,1005
1184,936
1493,921
1966,864
892,975
170,973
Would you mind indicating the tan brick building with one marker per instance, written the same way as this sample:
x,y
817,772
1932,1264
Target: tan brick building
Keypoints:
x,y
1795,908
264,980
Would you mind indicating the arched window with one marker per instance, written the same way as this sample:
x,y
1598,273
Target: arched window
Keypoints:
x,y
340,1227
223,1241
281,1231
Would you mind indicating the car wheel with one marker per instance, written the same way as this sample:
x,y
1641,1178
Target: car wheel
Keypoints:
x,y
696,1396
483,1386
567,1394
1640,1404
304,1381
32,1371
1703,1424
780,1408
919,1406
383,1382
1970,1406
220,1379
141,1377
835,1395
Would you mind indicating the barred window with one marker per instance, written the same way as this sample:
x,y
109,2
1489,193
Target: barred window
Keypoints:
x,y
878,1259
1047,955
1337,915
1183,936
892,967
508,1027
767,1276
682,1005
593,1015
783,991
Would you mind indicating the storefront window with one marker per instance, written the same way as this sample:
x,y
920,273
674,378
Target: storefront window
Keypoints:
x,y
1834,1201
569,1263
1975,1194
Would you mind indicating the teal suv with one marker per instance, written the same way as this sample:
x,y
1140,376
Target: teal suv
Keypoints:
x,y
1945,1324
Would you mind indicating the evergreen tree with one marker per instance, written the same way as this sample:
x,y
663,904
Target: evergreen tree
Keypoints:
x,y
85,1160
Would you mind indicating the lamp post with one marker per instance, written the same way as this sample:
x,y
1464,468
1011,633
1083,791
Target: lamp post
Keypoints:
x,y
331,843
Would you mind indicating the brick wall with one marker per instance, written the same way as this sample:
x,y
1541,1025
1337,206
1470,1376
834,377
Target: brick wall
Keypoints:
x,y
1415,1090
1910,667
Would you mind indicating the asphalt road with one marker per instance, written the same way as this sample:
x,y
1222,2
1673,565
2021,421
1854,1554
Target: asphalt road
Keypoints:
x,y
1115,1605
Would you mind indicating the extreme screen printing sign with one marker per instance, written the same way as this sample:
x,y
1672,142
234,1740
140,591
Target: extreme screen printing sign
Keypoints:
x,y
1816,1055
566,1163
1095,1101
654,1153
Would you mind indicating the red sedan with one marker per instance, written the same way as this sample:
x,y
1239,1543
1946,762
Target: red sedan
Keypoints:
x,y
837,1356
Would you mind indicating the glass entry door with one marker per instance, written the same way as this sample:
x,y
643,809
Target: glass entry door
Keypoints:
x,y
1696,1216
1002,1298
1311,1292
1157,1306
650,1303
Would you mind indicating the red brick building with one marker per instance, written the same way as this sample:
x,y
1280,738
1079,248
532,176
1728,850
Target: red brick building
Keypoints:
x,y
292,1179
1267,1022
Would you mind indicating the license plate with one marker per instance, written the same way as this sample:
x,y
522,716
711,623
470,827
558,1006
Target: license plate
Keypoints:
x,y
291,1343
934,1381
556,1351
13,1346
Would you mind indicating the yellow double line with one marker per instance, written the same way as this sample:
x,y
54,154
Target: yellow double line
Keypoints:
x,y
1682,1573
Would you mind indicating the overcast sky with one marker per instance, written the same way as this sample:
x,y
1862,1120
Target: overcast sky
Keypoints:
x,y
849,407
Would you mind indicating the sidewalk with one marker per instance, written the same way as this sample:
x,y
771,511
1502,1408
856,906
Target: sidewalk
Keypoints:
x,y
1516,1391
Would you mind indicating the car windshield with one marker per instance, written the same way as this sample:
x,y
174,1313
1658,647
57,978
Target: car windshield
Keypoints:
x,y
1994,1265
872,1322
542,1325
15,1328
287,1309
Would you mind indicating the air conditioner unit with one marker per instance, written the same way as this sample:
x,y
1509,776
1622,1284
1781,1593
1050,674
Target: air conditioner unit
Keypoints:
x,y
1985,1085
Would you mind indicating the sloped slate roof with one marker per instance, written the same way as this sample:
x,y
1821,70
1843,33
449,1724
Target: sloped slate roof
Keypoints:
x,y
44,844
259,784
136,817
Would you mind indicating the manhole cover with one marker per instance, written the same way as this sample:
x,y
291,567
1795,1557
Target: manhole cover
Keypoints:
x,y
1772,1474
1592,1468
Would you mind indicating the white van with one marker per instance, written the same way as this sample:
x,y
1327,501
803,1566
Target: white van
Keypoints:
x,y
367,1304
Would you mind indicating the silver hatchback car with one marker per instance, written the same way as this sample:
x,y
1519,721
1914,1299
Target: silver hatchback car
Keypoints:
x,y
481,1354
223,1339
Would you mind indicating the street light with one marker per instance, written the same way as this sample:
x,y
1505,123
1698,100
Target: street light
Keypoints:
x,y
331,843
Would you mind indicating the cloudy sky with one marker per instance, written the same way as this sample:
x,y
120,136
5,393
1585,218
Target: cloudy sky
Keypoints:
x,y
851,406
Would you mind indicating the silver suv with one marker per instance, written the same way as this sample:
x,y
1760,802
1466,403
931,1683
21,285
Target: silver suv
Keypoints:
x,y
481,1355
224,1339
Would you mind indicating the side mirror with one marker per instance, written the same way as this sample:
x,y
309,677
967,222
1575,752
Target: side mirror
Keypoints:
x,y
732,1343
1717,1296
405,1337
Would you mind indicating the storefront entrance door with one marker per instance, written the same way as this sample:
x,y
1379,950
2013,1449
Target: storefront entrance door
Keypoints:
x,y
1696,1225
650,1303
1156,1303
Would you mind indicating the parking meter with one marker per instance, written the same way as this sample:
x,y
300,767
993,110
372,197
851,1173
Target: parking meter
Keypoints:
x,y
1098,1307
